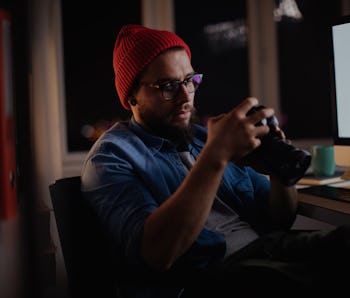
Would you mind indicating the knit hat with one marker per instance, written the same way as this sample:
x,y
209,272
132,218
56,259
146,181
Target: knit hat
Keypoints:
x,y
135,47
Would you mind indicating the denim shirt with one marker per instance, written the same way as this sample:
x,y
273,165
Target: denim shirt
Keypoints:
x,y
128,173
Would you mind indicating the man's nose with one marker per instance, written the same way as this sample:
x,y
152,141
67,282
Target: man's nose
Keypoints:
x,y
183,94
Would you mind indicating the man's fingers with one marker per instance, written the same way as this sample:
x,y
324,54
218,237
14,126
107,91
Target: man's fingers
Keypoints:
x,y
244,106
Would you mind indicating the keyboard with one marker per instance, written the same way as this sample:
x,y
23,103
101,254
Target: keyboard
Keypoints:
x,y
327,191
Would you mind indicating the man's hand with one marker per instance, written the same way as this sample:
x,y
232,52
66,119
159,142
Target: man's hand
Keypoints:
x,y
235,134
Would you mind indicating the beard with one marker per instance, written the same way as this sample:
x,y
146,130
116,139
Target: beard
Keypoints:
x,y
180,136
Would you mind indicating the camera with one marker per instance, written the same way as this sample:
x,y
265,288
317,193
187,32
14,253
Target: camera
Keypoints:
x,y
282,159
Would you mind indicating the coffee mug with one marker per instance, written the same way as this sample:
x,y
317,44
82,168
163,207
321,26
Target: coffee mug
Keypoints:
x,y
322,160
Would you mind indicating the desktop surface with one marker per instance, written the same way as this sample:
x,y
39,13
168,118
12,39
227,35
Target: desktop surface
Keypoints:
x,y
328,191
324,203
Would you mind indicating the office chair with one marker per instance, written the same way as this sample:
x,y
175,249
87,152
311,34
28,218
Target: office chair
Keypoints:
x,y
88,254
93,269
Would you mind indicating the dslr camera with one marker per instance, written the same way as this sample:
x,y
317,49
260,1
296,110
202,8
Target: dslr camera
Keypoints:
x,y
282,159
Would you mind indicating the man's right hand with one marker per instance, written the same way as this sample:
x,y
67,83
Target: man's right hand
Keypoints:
x,y
234,134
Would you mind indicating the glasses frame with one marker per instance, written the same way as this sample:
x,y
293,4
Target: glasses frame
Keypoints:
x,y
177,83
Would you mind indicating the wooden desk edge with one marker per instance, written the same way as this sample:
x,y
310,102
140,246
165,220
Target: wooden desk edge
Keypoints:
x,y
323,209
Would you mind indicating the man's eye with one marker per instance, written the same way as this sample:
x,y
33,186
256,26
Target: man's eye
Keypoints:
x,y
169,86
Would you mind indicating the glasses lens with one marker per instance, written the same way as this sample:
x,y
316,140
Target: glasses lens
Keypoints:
x,y
171,89
197,79
193,83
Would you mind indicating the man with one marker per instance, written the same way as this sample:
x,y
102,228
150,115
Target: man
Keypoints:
x,y
177,197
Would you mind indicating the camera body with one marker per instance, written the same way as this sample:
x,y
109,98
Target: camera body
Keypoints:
x,y
282,159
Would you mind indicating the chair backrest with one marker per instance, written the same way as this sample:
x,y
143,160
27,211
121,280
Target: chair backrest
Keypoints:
x,y
89,256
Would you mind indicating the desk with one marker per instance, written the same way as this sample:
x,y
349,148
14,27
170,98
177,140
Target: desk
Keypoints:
x,y
323,209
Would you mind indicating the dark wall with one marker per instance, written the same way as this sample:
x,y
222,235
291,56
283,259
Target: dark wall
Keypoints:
x,y
29,283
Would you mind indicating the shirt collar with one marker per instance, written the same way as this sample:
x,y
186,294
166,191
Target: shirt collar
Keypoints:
x,y
156,142
150,140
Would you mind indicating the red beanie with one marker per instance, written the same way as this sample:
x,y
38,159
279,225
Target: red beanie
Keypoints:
x,y
136,46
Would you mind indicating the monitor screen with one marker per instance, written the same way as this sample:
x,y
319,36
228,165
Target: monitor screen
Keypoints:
x,y
340,78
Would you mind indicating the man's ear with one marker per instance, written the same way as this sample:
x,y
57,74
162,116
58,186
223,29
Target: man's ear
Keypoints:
x,y
132,101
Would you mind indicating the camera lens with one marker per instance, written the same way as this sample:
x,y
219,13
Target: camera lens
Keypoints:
x,y
282,159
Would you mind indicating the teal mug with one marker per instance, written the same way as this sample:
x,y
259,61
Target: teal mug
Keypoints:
x,y
322,160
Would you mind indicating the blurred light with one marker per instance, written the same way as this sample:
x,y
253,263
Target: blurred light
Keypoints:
x,y
225,36
288,9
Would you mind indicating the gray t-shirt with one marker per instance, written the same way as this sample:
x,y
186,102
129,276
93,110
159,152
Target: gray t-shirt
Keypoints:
x,y
223,219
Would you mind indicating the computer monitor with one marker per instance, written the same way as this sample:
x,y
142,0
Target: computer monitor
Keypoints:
x,y
340,78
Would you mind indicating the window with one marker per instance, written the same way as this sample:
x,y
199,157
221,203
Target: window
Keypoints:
x,y
304,70
89,33
217,36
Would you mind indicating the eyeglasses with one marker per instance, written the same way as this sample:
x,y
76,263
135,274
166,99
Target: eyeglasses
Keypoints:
x,y
170,89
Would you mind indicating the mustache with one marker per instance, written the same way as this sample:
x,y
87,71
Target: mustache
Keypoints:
x,y
187,107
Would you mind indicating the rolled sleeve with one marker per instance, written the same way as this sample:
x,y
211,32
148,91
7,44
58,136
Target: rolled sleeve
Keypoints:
x,y
121,201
